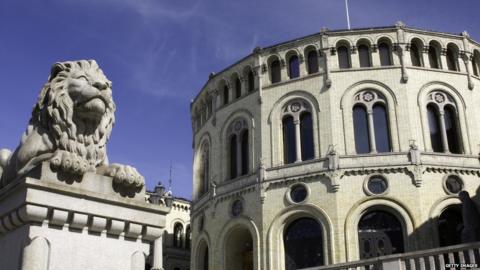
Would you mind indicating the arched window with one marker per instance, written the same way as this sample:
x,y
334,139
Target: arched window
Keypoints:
x,y
275,72
452,58
238,88
476,63
178,235
293,67
289,147
297,132
450,225
306,135
385,54
379,233
205,169
188,237
250,81
442,114
239,250
433,56
312,59
364,55
205,259
343,57
238,148
225,95
370,123
303,244
415,54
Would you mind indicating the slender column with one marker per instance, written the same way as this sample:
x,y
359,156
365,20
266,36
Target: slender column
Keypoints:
x,y
158,254
239,154
371,131
302,65
298,145
444,132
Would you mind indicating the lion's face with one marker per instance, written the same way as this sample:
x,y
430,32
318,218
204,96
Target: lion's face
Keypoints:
x,y
76,105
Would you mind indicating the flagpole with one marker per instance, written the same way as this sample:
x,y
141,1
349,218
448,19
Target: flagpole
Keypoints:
x,y
348,15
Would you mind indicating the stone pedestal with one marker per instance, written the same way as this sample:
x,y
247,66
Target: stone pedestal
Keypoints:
x,y
54,221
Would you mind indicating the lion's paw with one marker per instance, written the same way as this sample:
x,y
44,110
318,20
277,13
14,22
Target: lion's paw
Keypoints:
x,y
68,162
125,175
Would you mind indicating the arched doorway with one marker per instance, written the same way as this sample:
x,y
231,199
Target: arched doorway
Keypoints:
x,y
202,256
379,233
450,225
303,244
239,250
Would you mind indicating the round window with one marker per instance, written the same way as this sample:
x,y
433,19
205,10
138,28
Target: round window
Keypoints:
x,y
298,193
454,184
237,208
377,185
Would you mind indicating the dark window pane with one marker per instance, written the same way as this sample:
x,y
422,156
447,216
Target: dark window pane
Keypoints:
x,y
298,193
379,233
306,136
452,130
476,63
244,145
454,184
233,156
364,56
303,244
289,147
343,57
360,126
251,81
377,185
384,51
293,67
188,237
312,62
433,57
238,88
177,235
380,124
451,60
205,259
450,225
434,126
225,95
275,71
415,55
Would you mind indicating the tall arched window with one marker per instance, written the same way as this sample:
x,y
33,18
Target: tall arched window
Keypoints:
x,y
289,147
476,63
312,61
303,244
379,233
225,95
415,53
370,123
205,169
250,81
238,88
188,237
364,55
450,224
452,57
275,71
238,148
178,235
434,56
442,114
343,57
297,132
293,67
385,54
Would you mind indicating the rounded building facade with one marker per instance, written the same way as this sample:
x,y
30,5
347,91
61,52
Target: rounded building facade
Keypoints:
x,y
334,147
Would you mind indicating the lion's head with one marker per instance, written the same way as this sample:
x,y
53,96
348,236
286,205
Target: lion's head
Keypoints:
x,y
75,108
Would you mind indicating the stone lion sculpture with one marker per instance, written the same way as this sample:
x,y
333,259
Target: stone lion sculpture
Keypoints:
x,y
70,126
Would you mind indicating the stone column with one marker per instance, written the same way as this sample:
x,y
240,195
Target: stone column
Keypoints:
x,y
298,145
371,131
138,261
302,65
239,154
443,59
444,132
158,254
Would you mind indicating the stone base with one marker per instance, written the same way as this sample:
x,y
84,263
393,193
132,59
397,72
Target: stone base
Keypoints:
x,y
47,223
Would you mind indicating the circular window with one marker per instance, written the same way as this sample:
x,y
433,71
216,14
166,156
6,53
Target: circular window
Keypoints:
x,y
298,193
377,185
237,208
453,184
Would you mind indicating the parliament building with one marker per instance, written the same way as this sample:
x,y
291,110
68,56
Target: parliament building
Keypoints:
x,y
335,147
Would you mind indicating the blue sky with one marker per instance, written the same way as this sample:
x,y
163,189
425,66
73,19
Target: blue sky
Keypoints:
x,y
158,53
